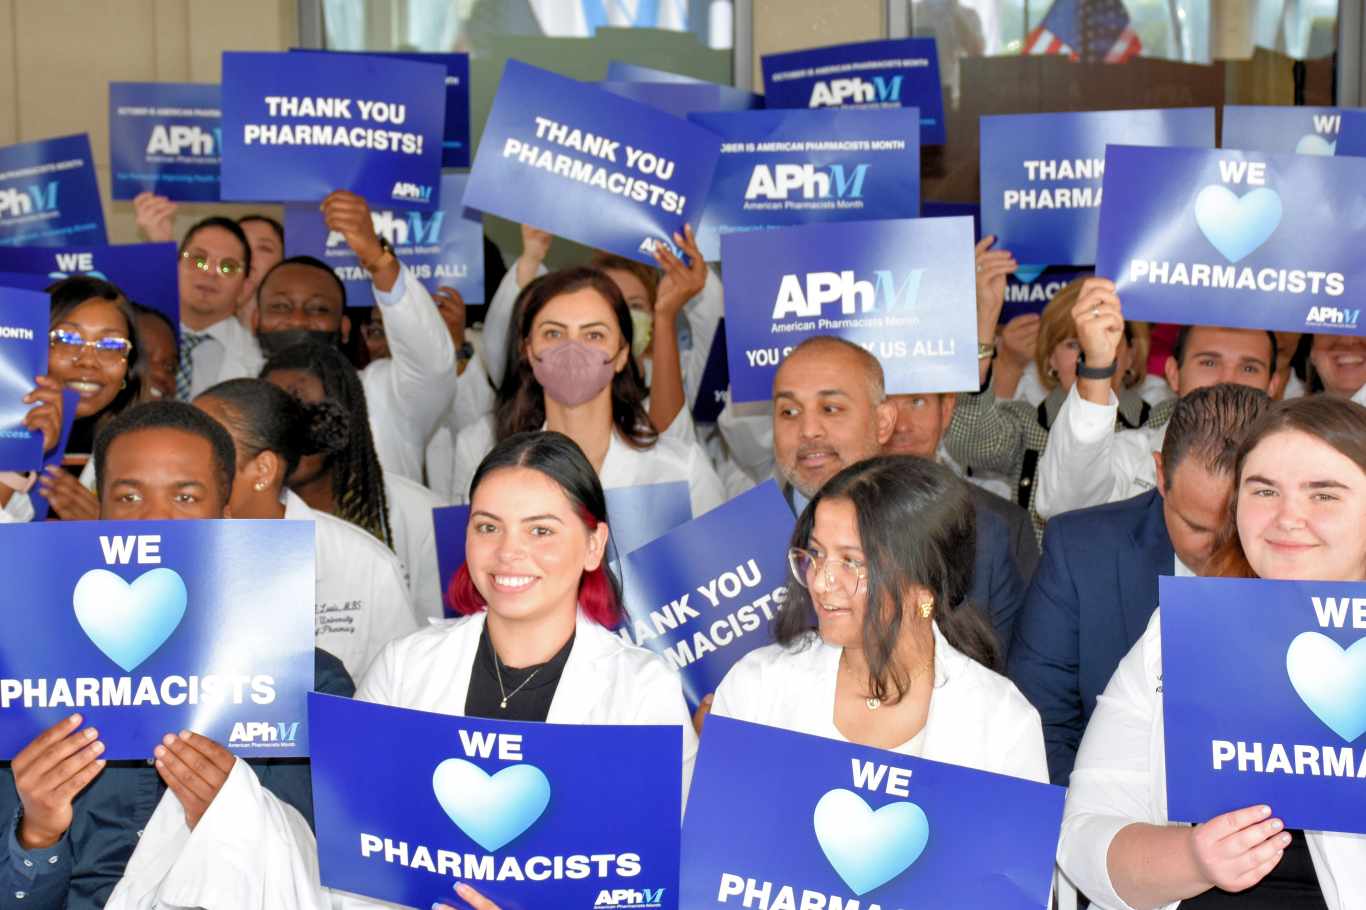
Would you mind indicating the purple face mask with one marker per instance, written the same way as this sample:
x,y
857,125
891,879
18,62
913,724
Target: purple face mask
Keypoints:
x,y
573,373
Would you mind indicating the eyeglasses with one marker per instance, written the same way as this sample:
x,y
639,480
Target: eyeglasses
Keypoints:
x,y
225,267
840,574
72,344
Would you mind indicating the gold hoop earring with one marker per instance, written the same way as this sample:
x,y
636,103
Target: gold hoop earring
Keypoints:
x,y
926,608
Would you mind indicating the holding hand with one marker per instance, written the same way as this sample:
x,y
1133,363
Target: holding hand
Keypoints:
x,y
349,215
155,217
48,774
195,768
1099,319
67,496
471,897
1236,850
46,418
535,246
992,268
451,306
680,283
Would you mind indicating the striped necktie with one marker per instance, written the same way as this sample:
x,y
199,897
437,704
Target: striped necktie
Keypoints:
x,y
185,369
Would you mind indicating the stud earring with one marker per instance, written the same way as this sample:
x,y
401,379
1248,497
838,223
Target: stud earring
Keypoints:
x,y
926,608
259,486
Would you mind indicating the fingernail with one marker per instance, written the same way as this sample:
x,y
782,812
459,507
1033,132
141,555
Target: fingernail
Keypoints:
x,y
1277,824
168,740
185,734
74,720
90,734
97,748
160,766
1285,839
1265,810
159,751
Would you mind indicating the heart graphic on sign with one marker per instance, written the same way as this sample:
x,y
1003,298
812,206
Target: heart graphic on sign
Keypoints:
x,y
1236,226
1330,680
866,848
1027,273
492,809
1314,144
128,622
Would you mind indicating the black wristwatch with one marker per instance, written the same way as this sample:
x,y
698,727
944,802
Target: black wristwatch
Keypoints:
x,y
1085,372
464,353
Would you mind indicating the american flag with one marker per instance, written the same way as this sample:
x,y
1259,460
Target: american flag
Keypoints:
x,y
1086,29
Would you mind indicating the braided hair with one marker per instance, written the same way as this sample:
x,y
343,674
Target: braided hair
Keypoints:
x,y
357,480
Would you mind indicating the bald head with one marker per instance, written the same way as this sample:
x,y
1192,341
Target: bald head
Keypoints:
x,y
829,411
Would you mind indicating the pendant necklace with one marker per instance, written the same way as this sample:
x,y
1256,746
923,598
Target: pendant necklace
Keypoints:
x,y
503,692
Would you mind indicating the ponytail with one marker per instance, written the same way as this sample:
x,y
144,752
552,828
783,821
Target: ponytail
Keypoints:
x,y
266,418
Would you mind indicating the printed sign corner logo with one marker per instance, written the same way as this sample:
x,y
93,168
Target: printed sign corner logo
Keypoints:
x,y
629,899
650,244
411,192
1331,317
256,733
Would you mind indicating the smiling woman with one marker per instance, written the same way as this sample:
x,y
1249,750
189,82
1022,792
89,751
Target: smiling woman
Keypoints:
x,y
1299,502
92,351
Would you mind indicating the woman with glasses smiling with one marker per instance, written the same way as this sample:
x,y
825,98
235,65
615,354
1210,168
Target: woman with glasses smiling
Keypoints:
x,y
92,351
897,658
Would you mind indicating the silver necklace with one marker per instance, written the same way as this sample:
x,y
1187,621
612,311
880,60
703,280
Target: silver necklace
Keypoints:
x,y
503,692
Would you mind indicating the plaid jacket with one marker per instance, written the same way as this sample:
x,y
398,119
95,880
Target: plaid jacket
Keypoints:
x,y
991,436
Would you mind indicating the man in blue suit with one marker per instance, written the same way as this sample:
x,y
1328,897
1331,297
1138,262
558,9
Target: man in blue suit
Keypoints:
x,y
1096,585
830,410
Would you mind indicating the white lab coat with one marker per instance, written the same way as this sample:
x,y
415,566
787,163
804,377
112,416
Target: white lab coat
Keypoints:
x,y
473,400
977,718
1360,396
671,458
1087,462
408,392
231,352
250,851
361,598
1120,779
410,521
605,681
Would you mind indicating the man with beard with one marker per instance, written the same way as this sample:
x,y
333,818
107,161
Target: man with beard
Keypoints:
x,y
302,299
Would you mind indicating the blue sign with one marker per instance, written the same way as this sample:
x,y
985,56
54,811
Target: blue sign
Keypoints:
x,y
1041,174
1282,130
714,390
298,126
621,71
23,355
53,459
455,143
48,193
780,168
165,138
704,595
1233,238
525,813
555,149
150,627
1030,288
440,247
145,272
881,74
807,821
1352,138
1299,745
635,516
904,290
683,98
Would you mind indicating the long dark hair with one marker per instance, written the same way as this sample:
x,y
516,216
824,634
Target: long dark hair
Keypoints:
x,y
357,479
263,417
558,458
918,527
521,400
1336,422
